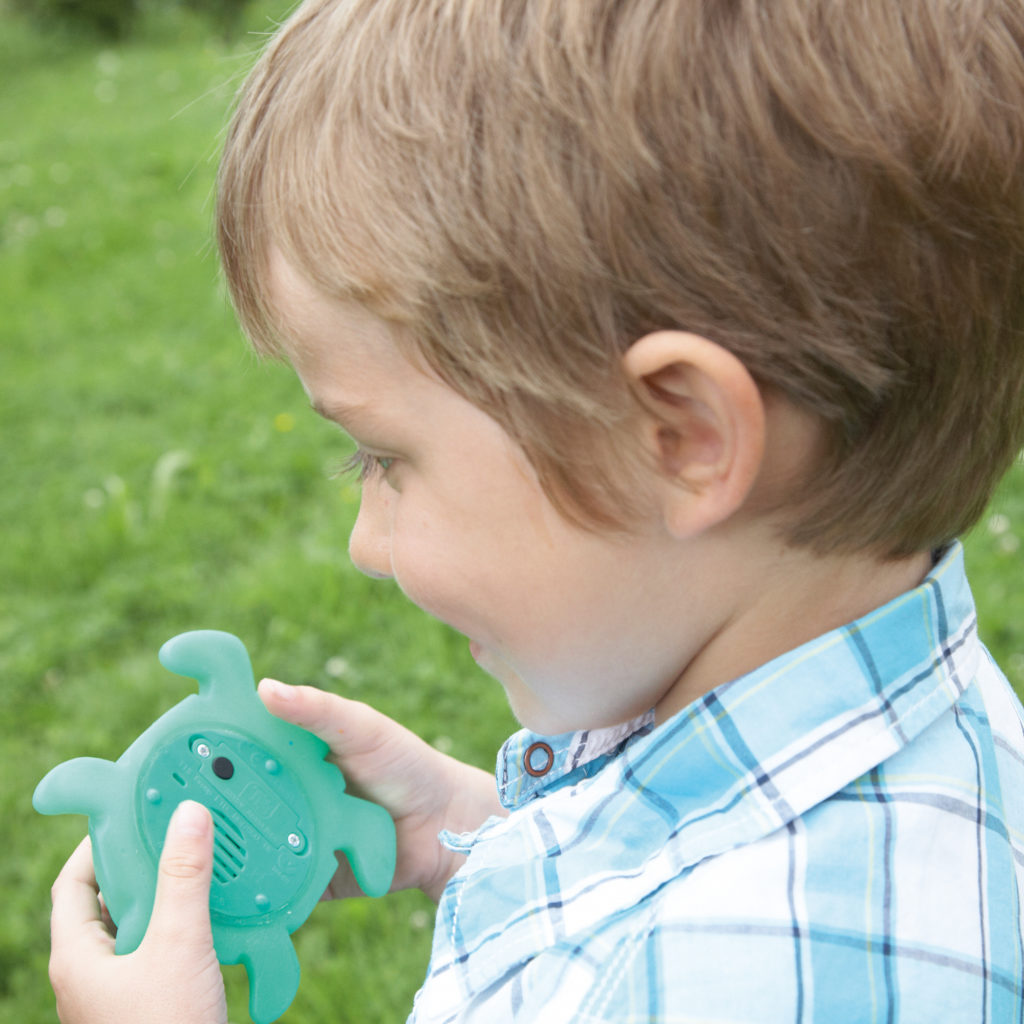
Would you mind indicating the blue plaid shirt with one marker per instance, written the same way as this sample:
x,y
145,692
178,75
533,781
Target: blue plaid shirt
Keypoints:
x,y
835,837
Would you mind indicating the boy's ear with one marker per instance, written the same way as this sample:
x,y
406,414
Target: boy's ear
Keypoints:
x,y
703,426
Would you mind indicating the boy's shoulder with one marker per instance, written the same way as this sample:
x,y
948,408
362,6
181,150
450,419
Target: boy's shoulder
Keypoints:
x,y
781,829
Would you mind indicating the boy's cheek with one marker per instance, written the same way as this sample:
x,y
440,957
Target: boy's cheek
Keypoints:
x,y
424,583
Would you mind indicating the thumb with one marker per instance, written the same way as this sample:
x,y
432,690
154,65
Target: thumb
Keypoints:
x,y
181,907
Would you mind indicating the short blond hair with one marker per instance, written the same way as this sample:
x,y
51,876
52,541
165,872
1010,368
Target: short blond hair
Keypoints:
x,y
832,191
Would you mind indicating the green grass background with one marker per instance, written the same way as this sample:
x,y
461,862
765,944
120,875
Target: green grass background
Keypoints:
x,y
154,478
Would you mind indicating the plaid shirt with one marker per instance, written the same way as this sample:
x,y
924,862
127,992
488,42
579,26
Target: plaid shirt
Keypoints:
x,y
836,837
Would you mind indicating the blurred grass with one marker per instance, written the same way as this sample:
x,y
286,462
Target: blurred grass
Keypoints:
x,y
157,479
994,560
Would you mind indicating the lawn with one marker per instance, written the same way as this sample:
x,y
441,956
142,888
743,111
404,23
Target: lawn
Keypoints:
x,y
157,478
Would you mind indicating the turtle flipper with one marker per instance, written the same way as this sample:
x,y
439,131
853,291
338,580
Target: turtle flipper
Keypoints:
x,y
218,661
273,968
82,785
131,928
368,841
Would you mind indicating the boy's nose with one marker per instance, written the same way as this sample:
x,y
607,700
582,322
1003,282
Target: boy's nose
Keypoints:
x,y
369,544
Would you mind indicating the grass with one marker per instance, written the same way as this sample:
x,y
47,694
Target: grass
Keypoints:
x,y
158,479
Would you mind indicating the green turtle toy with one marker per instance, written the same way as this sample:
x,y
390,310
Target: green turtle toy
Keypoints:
x,y
279,813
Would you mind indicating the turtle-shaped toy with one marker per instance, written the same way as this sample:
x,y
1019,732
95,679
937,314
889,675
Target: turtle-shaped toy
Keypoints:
x,y
279,812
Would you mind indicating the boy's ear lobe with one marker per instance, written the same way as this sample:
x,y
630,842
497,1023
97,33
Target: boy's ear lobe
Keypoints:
x,y
703,426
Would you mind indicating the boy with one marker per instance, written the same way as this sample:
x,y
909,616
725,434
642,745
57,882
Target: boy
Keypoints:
x,y
680,341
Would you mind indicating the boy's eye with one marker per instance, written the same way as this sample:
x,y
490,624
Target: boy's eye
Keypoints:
x,y
364,465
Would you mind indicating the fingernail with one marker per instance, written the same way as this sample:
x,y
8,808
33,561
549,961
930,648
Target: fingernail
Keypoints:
x,y
278,690
191,819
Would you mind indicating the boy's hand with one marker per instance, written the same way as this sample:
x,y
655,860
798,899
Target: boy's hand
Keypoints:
x,y
422,789
173,977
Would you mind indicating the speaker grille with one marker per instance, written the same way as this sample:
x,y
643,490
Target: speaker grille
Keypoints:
x,y
228,850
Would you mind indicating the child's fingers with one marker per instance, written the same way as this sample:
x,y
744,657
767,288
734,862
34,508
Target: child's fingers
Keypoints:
x,y
348,727
77,915
381,760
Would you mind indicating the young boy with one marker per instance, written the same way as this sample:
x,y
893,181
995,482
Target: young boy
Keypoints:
x,y
680,341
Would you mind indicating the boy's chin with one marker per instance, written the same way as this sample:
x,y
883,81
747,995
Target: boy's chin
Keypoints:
x,y
526,708
533,713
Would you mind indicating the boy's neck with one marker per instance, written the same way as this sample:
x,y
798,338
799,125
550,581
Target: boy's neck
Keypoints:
x,y
801,596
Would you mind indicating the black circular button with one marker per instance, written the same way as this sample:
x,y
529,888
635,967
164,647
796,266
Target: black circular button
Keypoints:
x,y
223,768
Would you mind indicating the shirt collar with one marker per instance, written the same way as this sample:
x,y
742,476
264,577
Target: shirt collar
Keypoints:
x,y
814,719
529,764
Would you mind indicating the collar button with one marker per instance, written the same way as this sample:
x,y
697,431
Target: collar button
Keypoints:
x,y
538,759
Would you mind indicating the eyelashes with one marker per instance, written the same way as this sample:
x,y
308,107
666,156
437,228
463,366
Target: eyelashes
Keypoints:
x,y
363,466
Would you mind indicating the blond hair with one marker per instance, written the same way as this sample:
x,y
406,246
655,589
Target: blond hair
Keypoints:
x,y
832,191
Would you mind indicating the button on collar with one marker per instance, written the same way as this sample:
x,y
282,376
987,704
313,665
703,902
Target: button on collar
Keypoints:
x,y
529,764
538,759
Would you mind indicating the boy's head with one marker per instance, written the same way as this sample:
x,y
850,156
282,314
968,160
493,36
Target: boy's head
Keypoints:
x,y
834,193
